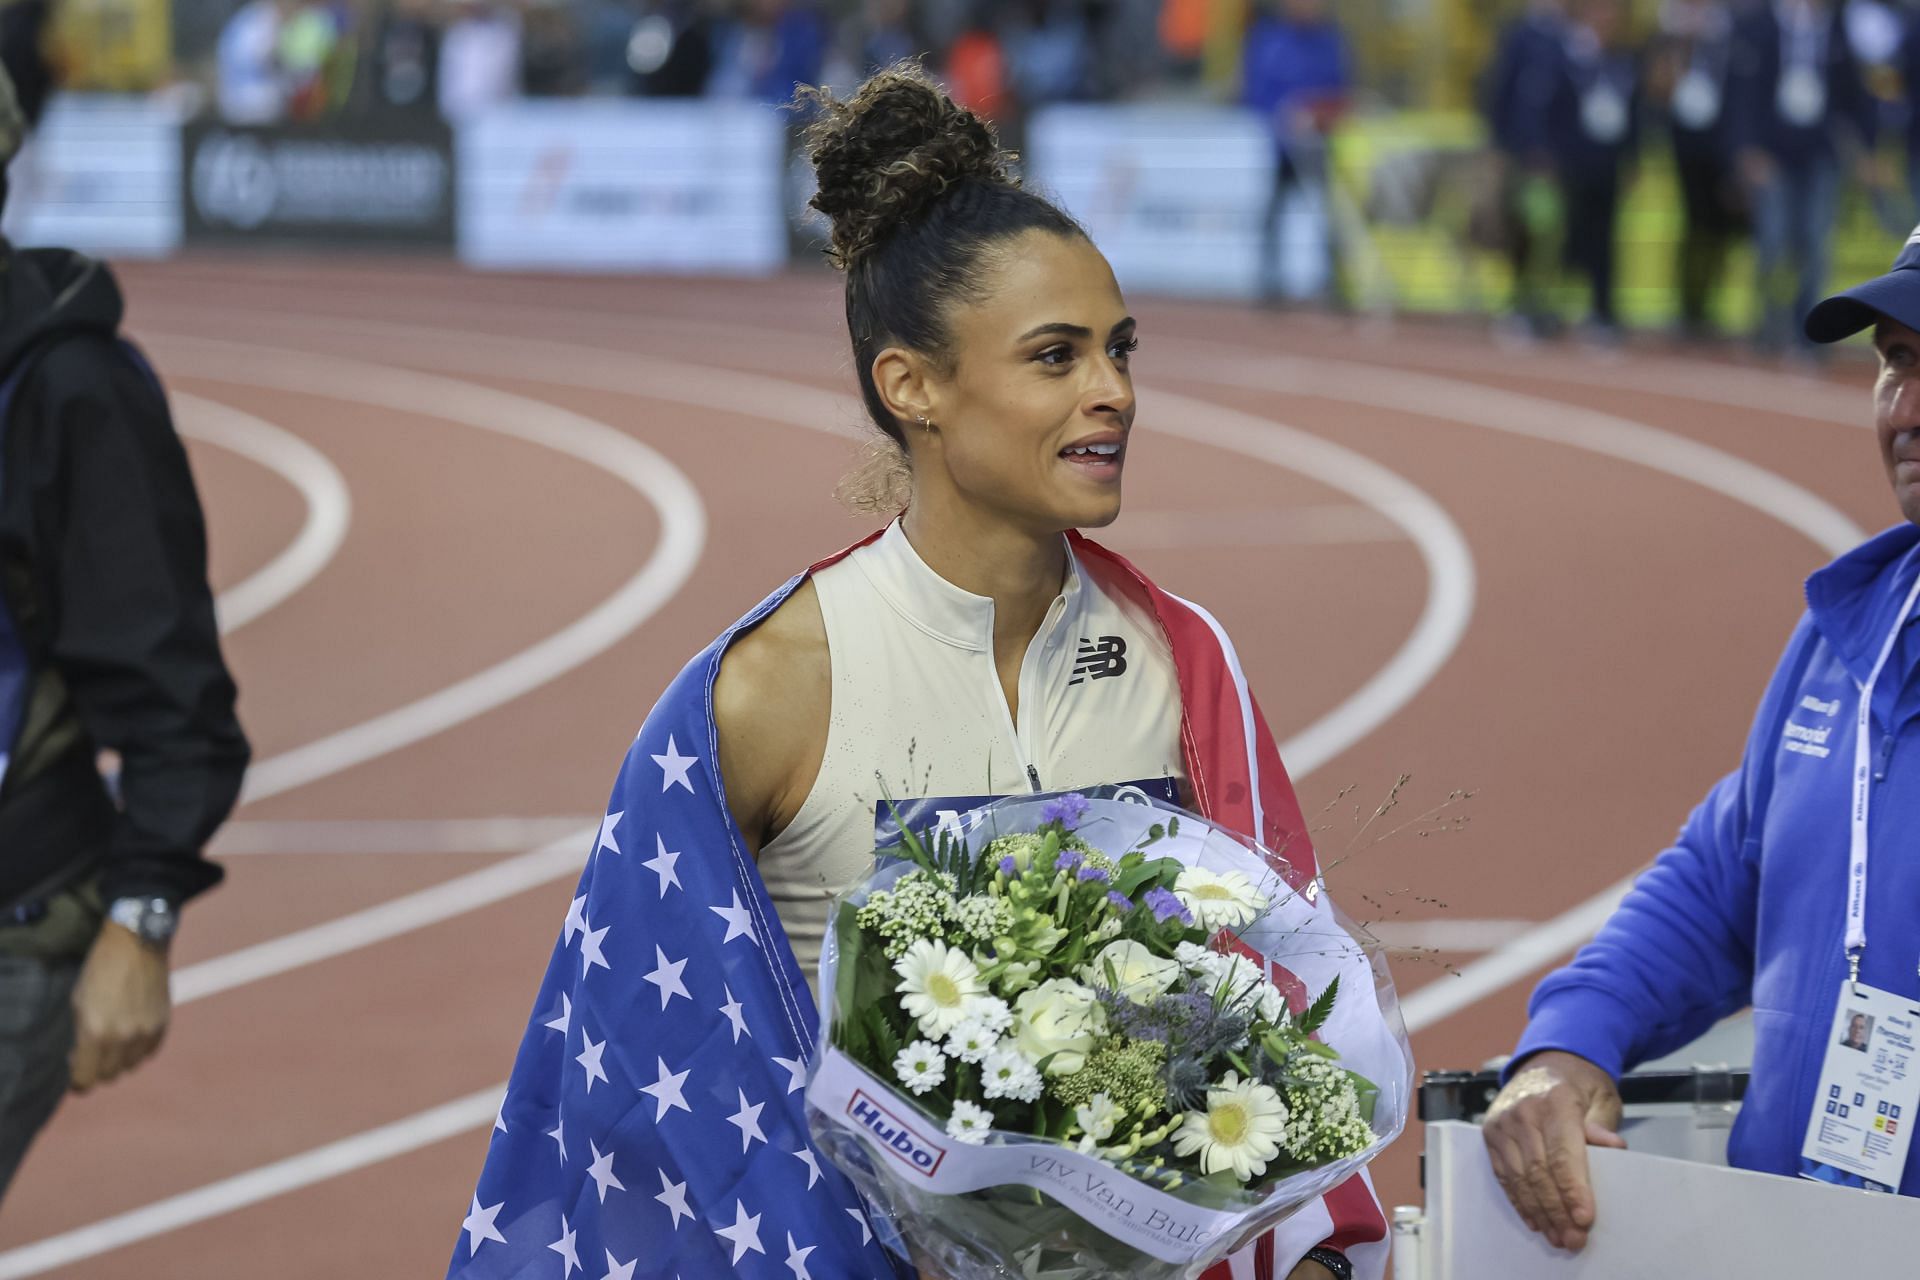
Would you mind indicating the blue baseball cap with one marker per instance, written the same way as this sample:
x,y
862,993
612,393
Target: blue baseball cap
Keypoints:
x,y
1895,295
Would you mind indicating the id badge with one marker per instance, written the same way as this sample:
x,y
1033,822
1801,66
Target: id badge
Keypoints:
x,y
1696,100
1869,1086
1603,114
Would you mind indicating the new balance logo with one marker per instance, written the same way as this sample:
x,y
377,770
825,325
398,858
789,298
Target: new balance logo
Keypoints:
x,y
1099,659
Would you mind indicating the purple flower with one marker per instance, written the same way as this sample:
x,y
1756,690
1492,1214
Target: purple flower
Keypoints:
x,y
1006,865
1167,906
1068,860
1119,900
1100,874
1066,810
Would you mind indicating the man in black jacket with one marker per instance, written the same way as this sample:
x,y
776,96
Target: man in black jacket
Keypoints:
x,y
108,648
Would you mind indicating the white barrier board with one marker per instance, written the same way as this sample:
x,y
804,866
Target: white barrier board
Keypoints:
x,y
1174,196
1658,1218
623,185
101,175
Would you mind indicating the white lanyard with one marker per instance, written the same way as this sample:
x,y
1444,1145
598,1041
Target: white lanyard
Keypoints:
x,y
1862,787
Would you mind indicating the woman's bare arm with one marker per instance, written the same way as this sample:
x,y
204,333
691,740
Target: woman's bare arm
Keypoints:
x,y
771,702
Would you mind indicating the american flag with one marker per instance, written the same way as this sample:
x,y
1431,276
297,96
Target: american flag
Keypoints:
x,y
653,1126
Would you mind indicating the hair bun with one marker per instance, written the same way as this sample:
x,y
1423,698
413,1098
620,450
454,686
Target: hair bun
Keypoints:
x,y
889,152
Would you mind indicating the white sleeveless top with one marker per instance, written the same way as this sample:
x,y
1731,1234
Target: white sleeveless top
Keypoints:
x,y
917,700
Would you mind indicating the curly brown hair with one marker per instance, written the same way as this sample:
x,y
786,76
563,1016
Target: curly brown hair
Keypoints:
x,y
919,193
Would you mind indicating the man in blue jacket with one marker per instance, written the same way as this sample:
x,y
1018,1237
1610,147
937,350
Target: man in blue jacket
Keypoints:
x,y
1765,901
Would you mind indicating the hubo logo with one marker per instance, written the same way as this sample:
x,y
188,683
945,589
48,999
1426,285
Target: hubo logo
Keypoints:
x,y
1099,659
234,181
902,1142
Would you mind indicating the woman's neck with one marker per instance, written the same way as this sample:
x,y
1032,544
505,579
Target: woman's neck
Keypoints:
x,y
1021,572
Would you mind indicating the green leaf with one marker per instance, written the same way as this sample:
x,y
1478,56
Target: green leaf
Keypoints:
x,y
1130,881
1173,826
1320,1010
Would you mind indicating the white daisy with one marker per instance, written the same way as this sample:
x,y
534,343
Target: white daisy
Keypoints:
x,y
1240,1130
920,1066
994,1014
1195,957
1006,1074
938,985
969,1123
971,1041
1224,900
1097,1118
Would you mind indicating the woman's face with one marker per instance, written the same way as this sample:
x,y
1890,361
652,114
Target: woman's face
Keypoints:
x,y
1032,413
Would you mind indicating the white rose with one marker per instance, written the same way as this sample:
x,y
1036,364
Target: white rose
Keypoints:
x,y
1060,1018
1138,974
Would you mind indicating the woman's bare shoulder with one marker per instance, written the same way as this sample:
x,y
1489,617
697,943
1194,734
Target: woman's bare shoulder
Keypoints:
x,y
771,702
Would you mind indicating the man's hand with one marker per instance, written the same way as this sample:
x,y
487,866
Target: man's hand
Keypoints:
x,y
1756,168
1537,1134
120,1007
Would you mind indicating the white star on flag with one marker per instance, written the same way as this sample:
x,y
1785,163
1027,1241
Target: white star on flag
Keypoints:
x,y
601,1171
732,1011
866,1232
674,1196
666,1091
744,1233
738,924
590,953
797,1259
805,1156
661,864
797,1068
576,920
564,1246
558,1134
675,767
565,1020
607,840
667,977
747,1121
590,1059
618,1270
500,1116
479,1225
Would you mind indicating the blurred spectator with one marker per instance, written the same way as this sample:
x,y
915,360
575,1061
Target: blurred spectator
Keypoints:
x,y
1691,61
1594,124
316,58
250,86
1048,51
885,36
1797,100
1514,99
1910,78
976,70
23,25
1296,78
550,57
774,47
479,60
405,55
670,50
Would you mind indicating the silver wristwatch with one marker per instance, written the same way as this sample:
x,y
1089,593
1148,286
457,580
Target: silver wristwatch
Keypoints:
x,y
152,920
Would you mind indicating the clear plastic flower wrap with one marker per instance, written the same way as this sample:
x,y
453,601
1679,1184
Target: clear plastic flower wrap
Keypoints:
x,y
1087,1035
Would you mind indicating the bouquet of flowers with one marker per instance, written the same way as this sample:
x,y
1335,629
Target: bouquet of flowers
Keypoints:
x,y
1079,1036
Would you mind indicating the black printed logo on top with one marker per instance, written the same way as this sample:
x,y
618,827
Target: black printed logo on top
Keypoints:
x,y
1099,659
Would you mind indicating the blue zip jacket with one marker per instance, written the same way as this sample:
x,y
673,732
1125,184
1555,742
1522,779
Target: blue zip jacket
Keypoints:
x,y
1749,907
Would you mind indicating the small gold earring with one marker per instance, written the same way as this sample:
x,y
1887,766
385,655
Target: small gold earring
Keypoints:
x,y
925,423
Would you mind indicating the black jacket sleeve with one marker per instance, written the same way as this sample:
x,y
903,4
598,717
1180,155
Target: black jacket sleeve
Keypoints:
x,y
134,635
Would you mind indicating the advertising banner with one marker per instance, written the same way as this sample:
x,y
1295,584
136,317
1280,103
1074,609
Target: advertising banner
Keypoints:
x,y
101,175
624,186
368,179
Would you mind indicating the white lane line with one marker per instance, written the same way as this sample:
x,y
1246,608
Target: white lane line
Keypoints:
x,y
245,838
1401,504
1329,524
390,919
320,485
645,470
254,1186
1449,563
1524,954
1430,396
1470,404
1445,933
